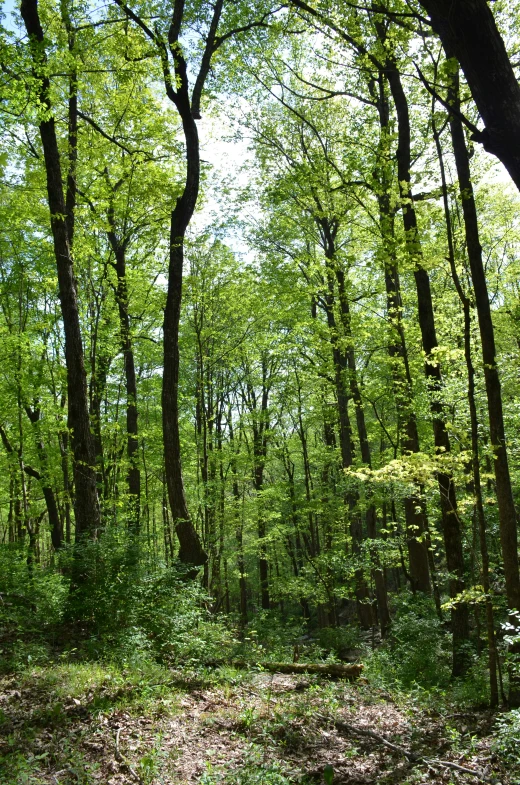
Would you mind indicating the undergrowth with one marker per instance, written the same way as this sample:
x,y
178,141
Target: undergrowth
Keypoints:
x,y
139,640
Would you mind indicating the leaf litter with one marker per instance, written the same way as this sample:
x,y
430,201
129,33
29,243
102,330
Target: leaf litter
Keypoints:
x,y
232,728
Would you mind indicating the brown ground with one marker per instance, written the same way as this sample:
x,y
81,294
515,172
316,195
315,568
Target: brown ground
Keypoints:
x,y
247,729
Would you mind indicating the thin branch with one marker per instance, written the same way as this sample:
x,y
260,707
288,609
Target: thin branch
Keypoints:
x,y
478,136
110,138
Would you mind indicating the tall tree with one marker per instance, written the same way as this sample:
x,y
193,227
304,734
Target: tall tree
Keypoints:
x,y
86,505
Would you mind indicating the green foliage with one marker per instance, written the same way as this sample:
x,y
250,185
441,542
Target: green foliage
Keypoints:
x,y
417,652
340,641
253,773
31,606
131,612
507,742
473,689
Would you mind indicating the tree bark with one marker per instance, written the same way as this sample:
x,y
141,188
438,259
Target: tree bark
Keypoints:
x,y
468,31
506,507
475,461
371,515
119,247
451,524
260,422
415,513
340,360
86,506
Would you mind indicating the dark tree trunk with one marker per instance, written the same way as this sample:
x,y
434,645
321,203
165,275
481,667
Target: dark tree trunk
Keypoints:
x,y
476,485
341,377
63,439
86,504
415,513
451,524
468,30
47,490
260,412
100,364
506,507
371,516
191,551
239,530
55,522
119,247
177,90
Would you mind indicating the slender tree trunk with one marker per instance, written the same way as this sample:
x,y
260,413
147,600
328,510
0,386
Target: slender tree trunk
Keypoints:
x,y
260,435
119,247
451,524
63,439
191,550
177,91
475,461
415,512
239,527
506,508
86,506
340,359
371,515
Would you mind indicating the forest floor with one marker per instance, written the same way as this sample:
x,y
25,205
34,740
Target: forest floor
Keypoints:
x,y
83,723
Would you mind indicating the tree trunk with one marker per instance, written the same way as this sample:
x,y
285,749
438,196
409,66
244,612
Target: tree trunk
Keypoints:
x,y
506,508
239,526
260,436
371,515
475,463
451,524
415,513
468,31
340,359
86,506
119,246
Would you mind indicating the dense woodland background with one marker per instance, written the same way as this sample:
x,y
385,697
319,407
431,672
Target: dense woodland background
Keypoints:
x,y
260,335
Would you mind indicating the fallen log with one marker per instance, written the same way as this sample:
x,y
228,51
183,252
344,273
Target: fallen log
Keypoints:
x,y
334,669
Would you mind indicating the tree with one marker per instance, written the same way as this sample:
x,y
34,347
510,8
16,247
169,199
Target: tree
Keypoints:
x,y
86,505
469,32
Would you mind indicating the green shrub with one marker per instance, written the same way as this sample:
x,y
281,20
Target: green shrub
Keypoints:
x,y
250,774
31,606
418,651
339,640
507,742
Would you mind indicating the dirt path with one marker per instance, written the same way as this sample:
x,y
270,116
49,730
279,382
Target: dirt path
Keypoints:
x,y
243,729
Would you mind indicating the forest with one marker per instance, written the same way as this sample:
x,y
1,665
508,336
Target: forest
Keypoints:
x,y
259,392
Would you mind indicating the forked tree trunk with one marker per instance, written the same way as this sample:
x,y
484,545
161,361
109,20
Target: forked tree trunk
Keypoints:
x,y
177,91
191,550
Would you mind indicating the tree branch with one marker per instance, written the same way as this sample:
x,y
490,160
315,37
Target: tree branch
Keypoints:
x,y
477,135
